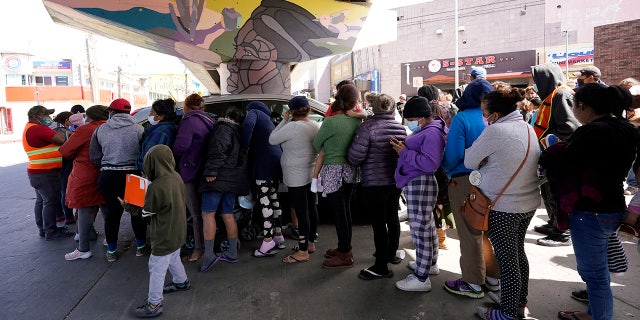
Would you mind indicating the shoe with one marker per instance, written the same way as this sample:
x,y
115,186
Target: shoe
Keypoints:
x,y
545,229
75,255
143,251
104,242
395,260
330,253
69,221
628,231
368,274
411,283
462,288
630,190
245,202
76,237
223,257
148,310
492,287
341,260
207,263
112,256
555,240
173,287
442,239
60,219
581,295
60,234
491,314
291,232
280,242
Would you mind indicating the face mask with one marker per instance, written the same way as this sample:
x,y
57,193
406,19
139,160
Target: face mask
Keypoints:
x,y
84,120
153,122
580,82
535,87
536,101
413,126
46,121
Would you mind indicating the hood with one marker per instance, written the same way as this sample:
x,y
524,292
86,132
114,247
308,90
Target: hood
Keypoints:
x,y
202,116
120,120
258,105
547,77
473,94
158,162
511,117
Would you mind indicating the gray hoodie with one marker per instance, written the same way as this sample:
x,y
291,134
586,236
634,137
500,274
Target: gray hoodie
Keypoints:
x,y
115,145
547,77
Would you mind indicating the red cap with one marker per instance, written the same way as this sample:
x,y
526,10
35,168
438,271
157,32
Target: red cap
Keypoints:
x,y
120,105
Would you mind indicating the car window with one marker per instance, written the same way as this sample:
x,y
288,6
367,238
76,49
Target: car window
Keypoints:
x,y
219,108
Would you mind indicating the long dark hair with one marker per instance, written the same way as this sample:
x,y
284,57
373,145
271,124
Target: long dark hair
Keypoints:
x,y
502,101
604,99
346,98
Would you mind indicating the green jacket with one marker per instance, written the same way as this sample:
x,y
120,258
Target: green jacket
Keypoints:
x,y
335,136
165,201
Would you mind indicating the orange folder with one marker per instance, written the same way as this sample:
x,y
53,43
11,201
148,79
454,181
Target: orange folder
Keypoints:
x,y
135,190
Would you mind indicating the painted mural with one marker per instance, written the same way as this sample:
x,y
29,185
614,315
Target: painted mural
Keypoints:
x,y
258,39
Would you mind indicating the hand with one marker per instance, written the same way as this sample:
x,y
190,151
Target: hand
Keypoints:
x,y
210,179
397,145
122,201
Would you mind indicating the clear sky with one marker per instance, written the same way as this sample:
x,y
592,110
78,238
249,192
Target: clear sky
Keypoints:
x,y
26,27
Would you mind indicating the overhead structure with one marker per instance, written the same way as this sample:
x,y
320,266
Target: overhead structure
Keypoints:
x,y
243,46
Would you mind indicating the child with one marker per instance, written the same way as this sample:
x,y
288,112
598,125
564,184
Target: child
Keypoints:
x,y
164,202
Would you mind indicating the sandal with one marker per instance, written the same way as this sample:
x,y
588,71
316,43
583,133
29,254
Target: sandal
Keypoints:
x,y
291,259
572,315
267,249
195,256
309,248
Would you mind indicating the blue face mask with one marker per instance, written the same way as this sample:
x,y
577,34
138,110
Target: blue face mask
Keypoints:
x,y
413,126
47,121
535,87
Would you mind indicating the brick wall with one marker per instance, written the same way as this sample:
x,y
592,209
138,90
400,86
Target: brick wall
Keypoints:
x,y
616,49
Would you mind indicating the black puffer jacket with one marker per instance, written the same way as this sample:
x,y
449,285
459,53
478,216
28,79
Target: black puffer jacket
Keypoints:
x,y
371,149
225,160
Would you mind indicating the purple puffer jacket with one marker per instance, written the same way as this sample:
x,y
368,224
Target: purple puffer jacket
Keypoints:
x,y
422,154
371,149
190,144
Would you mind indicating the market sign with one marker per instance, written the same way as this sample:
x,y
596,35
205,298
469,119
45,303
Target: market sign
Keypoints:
x,y
578,56
52,65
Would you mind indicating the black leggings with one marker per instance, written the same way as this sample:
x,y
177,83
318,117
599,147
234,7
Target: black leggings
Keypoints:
x,y
304,202
382,205
111,184
340,202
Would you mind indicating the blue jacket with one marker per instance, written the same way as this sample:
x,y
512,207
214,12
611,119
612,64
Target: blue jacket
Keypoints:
x,y
264,158
473,94
465,128
161,133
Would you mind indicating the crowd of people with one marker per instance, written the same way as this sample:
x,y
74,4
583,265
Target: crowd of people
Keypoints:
x,y
571,147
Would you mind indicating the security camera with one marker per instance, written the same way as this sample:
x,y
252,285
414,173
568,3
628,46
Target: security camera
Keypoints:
x,y
464,41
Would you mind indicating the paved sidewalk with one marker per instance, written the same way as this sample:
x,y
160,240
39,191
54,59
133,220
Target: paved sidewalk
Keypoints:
x,y
39,284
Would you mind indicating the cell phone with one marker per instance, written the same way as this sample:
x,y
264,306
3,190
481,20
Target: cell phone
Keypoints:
x,y
399,138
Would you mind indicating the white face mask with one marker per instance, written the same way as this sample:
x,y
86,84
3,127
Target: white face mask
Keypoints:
x,y
151,121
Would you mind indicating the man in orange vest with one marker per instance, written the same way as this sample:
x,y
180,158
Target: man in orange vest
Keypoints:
x,y
41,144
554,116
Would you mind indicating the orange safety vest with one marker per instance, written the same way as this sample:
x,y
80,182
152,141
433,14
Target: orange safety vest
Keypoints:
x,y
47,157
543,118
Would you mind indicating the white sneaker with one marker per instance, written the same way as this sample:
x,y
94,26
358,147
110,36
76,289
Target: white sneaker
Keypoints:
x,y
75,255
76,237
411,283
104,242
434,270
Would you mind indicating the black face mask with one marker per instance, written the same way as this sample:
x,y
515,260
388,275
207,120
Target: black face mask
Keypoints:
x,y
536,101
580,82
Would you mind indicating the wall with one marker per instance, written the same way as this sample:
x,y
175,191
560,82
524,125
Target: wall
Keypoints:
x,y
616,47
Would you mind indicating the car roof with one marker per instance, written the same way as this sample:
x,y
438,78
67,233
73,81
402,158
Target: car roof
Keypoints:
x,y
261,96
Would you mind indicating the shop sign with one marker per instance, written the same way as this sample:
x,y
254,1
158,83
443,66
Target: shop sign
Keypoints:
x,y
52,65
577,56
12,63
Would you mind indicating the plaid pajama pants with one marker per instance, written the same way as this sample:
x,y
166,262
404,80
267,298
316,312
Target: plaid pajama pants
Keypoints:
x,y
421,194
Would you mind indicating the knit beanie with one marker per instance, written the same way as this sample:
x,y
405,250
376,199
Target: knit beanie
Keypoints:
x,y
417,107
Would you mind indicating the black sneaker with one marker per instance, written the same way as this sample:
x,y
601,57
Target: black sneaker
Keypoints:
x,y
147,310
581,295
173,287
546,229
555,240
60,234
143,251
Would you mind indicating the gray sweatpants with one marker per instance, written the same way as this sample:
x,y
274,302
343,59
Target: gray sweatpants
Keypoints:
x,y
85,221
158,266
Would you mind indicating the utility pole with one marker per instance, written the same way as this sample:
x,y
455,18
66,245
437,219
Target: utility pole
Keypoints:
x,y
119,83
90,67
456,68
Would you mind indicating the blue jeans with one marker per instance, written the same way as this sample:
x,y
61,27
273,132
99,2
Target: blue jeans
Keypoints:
x,y
631,178
590,236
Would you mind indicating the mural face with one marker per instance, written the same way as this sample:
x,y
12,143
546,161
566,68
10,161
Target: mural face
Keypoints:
x,y
213,32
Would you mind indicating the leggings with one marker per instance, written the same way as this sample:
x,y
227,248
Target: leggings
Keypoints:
x,y
270,206
340,202
304,202
382,206
111,184
507,232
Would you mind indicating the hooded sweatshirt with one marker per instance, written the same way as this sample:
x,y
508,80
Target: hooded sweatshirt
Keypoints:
x,y
473,94
115,145
422,154
165,201
190,143
547,77
264,158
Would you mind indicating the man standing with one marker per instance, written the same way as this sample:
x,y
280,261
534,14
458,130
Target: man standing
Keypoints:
x,y
41,144
554,117
589,74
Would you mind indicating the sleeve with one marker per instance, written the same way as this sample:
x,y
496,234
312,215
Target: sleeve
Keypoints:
x,y
247,129
454,150
183,141
429,157
563,116
70,148
360,146
95,149
278,135
323,134
484,146
218,147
